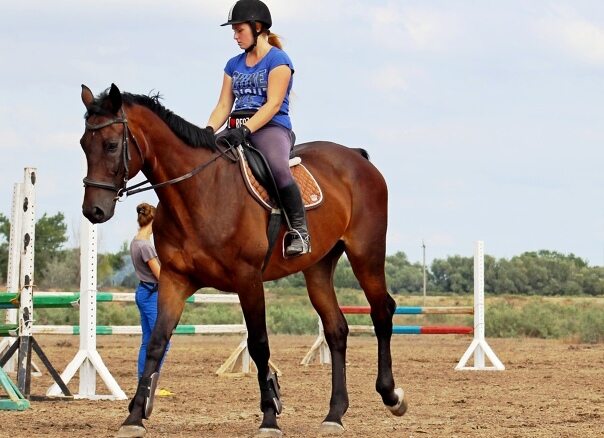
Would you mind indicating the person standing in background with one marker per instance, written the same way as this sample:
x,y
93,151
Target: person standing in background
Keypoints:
x,y
147,269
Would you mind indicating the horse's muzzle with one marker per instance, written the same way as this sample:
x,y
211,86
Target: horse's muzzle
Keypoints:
x,y
96,214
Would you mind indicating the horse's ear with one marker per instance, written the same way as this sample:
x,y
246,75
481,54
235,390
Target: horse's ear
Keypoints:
x,y
87,96
115,97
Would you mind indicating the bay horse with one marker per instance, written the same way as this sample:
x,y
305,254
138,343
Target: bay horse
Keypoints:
x,y
209,232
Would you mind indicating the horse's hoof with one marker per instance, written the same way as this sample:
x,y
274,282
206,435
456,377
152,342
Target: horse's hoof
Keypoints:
x,y
131,431
268,432
331,428
400,408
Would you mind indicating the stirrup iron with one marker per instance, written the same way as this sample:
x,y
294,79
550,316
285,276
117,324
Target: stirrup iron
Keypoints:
x,y
295,235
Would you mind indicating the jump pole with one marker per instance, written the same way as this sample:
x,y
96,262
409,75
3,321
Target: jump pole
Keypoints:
x,y
12,276
16,401
87,360
240,357
479,346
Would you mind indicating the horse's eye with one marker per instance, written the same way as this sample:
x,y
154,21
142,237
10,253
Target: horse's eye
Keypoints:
x,y
111,146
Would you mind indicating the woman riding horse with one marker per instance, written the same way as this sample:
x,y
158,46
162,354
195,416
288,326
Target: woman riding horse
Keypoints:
x,y
259,81
210,233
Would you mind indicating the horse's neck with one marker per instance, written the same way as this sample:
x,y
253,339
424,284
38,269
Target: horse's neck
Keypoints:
x,y
167,157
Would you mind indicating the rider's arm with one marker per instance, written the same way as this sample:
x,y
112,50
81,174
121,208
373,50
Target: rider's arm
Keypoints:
x,y
278,81
224,105
154,266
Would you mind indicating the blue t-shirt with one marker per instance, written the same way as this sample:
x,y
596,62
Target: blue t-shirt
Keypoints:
x,y
250,83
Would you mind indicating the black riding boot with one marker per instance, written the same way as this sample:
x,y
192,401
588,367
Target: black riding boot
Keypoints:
x,y
294,208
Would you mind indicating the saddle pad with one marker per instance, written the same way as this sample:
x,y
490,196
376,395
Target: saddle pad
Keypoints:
x,y
312,195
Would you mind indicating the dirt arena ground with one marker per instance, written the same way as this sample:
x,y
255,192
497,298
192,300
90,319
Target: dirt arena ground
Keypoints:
x,y
550,389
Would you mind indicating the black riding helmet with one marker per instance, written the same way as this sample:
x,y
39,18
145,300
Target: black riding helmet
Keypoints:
x,y
250,11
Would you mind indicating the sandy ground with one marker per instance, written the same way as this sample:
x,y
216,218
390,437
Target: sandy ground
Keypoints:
x,y
549,389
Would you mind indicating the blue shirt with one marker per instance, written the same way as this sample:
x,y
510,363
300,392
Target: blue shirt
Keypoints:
x,y
250,83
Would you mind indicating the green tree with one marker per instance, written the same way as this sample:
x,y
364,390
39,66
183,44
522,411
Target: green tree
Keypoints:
x,y
62,272
592,281
402,276
454,274
343,275
50,238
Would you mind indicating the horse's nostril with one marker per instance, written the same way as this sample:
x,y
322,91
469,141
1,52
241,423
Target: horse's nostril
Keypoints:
x,y
98,213
94,214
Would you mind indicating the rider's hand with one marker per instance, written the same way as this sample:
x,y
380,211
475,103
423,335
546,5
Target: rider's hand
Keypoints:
x,y
207,135
237,136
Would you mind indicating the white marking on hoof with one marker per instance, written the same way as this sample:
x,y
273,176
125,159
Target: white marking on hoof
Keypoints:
x,y
331,428
268,432
131,432
400,408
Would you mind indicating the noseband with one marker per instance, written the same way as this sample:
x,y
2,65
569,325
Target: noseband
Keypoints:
x,y
119,190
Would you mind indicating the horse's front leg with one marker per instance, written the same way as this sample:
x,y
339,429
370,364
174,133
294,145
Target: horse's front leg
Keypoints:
x,y
253,307
170,303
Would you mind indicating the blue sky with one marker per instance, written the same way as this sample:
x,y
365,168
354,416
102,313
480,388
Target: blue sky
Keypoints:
x,y
484,117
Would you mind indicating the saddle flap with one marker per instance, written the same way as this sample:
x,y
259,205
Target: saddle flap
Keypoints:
x,y
259,169
312,195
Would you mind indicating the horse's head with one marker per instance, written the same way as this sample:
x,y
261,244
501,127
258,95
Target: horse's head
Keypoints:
x,y
105,143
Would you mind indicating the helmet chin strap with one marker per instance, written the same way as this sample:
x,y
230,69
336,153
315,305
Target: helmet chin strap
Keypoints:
x,y
250,48
255,33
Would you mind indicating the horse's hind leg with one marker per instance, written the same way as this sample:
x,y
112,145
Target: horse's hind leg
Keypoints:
x,y
319,282
251,298
171,301
367,259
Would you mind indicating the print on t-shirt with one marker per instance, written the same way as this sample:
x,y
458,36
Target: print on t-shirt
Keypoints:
x,y
252,83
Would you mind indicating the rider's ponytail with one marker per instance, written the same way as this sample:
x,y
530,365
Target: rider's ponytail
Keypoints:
x,y
274,40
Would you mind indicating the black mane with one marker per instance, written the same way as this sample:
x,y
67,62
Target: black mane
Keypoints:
x,y
192,135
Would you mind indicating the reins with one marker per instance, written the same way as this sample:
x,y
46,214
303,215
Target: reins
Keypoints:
x,y
132,190
228,153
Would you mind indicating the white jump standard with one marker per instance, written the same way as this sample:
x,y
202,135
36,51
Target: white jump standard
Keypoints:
x,y
478,346
87,360
24,220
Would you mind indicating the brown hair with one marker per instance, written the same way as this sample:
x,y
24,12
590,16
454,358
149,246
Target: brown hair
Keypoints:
x,y
146,214
274,40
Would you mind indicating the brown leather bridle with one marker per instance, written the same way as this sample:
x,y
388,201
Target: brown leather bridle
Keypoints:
x,y
121,189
